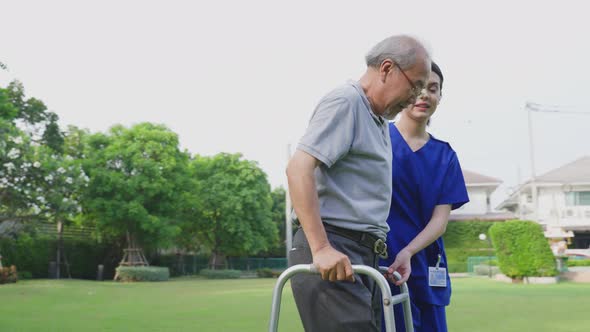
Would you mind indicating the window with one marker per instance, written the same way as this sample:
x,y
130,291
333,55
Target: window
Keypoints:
x,y
577,198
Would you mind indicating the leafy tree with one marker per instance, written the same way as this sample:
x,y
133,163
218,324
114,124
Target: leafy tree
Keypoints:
x,y
8,111
136,175
36,181
33,116
278,248
19,174
75,140
236,216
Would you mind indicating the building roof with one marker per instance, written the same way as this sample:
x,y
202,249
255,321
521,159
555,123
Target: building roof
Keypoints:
x,y
490,216
578,171
575,172
472,178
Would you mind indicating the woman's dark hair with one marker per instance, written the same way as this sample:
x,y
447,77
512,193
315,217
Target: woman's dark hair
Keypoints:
x,y
436,69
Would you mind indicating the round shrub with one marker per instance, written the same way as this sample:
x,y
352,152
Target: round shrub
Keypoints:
x,y
522,249
143,273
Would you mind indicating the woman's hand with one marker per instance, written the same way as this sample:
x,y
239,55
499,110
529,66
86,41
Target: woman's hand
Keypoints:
x,y
402,266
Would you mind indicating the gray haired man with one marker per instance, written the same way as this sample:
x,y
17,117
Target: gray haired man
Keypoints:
x,y
340,185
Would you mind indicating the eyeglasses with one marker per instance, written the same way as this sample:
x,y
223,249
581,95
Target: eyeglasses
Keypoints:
x,y
416,90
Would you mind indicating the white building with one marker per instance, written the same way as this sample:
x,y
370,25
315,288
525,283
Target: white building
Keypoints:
x,y
480,188
559,200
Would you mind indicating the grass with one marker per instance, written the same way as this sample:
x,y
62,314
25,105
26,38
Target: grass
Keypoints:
x,y
244,304
483,305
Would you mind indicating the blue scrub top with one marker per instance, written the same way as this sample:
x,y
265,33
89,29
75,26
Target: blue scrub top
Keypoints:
x,y
422,180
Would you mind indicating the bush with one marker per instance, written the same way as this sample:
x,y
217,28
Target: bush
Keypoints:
x,y
462,241
25,275
8,274
221,274
578,262
28,253
181,265
457,257
142,273
454,267
32,253
522,249
465,234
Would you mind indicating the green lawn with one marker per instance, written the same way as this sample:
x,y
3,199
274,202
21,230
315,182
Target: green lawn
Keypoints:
x,y
243,305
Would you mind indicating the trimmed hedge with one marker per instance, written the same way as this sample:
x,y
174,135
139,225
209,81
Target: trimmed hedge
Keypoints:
x,y
465,234
578,262
221,274
143,273
462,241
32,253
181,265
522,249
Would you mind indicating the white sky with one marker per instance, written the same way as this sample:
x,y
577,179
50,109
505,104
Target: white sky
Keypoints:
x,y
244,76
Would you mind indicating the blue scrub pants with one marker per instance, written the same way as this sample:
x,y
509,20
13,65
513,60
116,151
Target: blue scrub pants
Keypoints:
x,y
427,317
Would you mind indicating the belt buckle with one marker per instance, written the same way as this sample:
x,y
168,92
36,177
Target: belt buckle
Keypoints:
x,y
380,248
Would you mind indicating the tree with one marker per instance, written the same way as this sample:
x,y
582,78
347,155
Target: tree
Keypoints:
x,y
38,181
137,177
236,203
33,116
29,171
62,186
8,111
278,248
19,174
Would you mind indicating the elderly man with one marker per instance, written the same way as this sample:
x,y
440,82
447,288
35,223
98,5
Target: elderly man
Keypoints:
x,y
340,185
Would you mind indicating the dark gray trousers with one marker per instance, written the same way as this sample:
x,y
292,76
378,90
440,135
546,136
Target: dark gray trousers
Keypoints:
x,y
340,306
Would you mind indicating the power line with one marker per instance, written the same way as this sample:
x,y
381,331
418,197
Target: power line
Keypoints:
x,y
538,108
561,111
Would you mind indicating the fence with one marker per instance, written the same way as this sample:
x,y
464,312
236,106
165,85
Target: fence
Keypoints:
x,y
477,260
181,265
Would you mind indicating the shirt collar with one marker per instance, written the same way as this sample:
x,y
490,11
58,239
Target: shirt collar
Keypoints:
x,y
379,120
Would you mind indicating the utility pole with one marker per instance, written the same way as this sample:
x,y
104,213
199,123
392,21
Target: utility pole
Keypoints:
x,y
533,107
530,107
288,222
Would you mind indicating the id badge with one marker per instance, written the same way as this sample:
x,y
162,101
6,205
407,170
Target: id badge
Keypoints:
x,y
437,276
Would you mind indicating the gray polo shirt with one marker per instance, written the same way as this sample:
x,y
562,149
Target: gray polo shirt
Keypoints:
x,y
353,144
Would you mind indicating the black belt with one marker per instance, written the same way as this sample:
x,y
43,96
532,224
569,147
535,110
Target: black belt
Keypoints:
x,y
368,240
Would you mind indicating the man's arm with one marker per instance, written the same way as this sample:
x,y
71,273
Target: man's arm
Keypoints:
x,y
332,264
435,228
